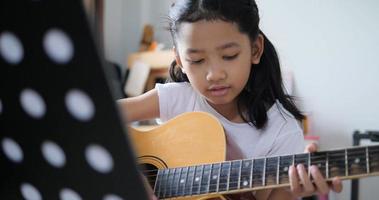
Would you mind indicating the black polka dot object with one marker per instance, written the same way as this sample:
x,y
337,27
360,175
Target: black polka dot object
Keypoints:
x,y
61,136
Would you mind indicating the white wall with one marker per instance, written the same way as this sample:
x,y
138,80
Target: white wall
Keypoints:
x,y
331,46
333,49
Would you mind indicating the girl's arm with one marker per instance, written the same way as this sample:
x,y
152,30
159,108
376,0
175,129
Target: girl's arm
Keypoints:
x,y
143,107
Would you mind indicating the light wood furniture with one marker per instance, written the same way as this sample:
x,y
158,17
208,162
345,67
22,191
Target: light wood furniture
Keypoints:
x,y
159,62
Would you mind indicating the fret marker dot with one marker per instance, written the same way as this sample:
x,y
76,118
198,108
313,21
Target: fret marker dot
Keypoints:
x,y
11,48
12,150
214,177
285,169
58,46
197,179
357,160
247,164
29,192
245,183
181,180
319,165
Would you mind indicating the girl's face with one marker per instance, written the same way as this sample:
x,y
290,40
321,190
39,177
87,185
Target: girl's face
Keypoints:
x,y
217,59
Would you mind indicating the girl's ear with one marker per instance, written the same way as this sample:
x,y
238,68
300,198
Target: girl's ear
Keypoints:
x,y
177,59
257,49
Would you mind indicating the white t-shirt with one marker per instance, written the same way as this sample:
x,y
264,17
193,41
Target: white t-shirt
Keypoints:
x,y
281,135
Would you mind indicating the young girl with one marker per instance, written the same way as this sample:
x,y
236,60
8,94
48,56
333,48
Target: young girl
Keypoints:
x,y
226,66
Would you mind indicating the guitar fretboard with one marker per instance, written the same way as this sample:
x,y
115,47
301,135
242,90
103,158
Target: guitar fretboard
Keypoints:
x,y
248,174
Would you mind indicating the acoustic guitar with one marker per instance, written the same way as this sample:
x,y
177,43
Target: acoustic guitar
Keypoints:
x,y
185,159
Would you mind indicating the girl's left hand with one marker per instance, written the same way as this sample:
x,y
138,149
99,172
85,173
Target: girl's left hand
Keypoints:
x,y
301,184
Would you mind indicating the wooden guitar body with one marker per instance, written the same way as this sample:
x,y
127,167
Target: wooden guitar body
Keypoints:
x,y
189,139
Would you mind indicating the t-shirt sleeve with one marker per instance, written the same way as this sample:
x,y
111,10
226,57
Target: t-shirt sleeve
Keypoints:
x,y
163,96
174,99
290,140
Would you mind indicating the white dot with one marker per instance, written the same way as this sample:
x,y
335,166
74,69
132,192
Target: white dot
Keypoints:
x,y
33,103
53,154
357,160
29,192
12,150
112,197
181,180
285,169
79,105
245,183
197,179
68,194
58,46
11,48
214,177
99,158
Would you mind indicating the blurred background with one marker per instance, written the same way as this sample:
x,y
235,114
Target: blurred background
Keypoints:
x,y
328,50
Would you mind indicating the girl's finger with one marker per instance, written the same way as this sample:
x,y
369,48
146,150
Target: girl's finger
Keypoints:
x,y
336,185
321,184
294,181
307,184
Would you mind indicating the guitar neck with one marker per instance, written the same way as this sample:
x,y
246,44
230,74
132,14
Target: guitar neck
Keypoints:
x,y
263,173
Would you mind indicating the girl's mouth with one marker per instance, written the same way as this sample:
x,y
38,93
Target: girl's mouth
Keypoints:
x,y
219,90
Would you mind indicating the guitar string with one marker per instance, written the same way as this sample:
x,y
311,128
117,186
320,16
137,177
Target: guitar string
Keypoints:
x,y
313,160
173,180
256,178
316,163
197,189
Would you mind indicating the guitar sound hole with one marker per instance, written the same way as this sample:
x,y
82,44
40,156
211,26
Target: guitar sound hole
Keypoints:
x,y
150,172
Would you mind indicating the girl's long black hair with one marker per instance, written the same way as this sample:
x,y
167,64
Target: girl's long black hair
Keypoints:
x,y
265,84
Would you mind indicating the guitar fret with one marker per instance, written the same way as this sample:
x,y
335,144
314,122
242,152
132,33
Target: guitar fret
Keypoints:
x,y
346,164
327,166
374,158
258,172
357,162
165,180
367,161
251,173
176,180
319,159
234,177
285,163
245,179
309,165
205,180
239,175
189,182
214,180
337,163
196,180
158,182
271,171
278,171
183,181
264,173
224,176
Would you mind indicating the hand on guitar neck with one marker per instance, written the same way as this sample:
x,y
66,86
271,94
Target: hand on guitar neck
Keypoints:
x,y
301,184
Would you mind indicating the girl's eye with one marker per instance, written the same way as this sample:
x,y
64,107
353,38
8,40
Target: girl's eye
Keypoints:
x,y
196,61
230,57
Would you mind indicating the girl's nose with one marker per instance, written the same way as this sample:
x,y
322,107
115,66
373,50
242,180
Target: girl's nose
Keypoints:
x,y
216,73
